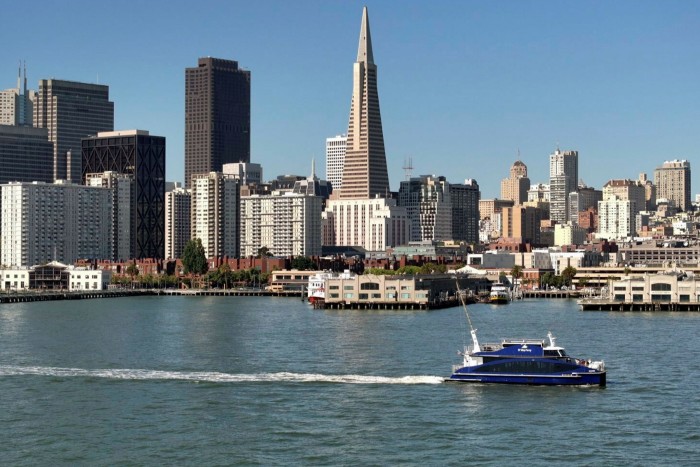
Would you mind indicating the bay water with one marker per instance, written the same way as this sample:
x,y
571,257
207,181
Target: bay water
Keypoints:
x,y
271,381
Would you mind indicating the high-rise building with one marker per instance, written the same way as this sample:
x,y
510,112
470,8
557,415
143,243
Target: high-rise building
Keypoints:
x,y
364,171
429,207
465,211
178,225
517,185
17,105
616,219
43,222
141,155
215,213
672,182
650,190
26,154
217,116
123,205
521,222
288,224
72,111
563,179
335,160
246,173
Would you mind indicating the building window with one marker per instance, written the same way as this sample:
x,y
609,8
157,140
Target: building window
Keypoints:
x,y
661,287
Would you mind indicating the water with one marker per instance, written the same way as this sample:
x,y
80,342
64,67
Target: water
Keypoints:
x,y
270,381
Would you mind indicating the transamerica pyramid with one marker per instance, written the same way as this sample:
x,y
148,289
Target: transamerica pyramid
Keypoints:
x,y
365,172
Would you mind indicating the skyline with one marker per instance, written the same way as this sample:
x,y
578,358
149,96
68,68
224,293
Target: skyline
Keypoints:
x,y
495,75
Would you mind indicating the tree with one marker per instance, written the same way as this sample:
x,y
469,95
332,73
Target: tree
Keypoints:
x,y
264,252
132,270
303,263
516,273
194,260
568,274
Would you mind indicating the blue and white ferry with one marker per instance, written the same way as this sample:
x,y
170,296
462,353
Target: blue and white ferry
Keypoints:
x,y
524,361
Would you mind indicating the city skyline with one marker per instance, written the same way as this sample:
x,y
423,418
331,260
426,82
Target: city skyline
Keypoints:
x,y
463,86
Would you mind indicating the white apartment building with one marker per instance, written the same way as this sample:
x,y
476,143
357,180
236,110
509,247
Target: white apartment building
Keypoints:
x,y
178,204
335,160
62,221
563,179
288,224
569,234
214,213
616,219
123,215
374,224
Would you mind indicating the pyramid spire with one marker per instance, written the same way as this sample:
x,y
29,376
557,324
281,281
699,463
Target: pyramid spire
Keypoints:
x,y
364,51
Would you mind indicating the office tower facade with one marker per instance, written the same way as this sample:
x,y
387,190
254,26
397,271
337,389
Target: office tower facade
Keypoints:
x,y
215,211
26,154
364,171
650,190
71,111
178,205
246,173
428,205
563,179
465,211
538,193
123,223
17,105
521,222
516,186
335,160
217,116
616,218
61,221
288,224
672,182
141,155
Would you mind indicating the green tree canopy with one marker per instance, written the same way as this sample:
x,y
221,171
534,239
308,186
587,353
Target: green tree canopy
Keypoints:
x,y
568,275
264,252
303,263
194,260
132,269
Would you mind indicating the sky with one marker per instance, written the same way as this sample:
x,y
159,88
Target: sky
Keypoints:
x,y
465,87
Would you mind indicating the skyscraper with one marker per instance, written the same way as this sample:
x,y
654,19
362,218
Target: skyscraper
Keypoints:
x,y
364,172
141,155
672,182
215,213
563,179
335,160
217,116
515,187
17,105
71,111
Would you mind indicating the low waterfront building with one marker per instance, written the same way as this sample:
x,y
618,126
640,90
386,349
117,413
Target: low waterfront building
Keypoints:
x,y
398,291
657,288
54,276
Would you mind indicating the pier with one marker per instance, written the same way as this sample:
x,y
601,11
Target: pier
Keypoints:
x,y
608,305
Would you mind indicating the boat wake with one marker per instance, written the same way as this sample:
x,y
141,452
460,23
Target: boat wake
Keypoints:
x,y
211,377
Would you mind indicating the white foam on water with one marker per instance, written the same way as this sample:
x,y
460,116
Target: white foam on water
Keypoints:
x,y
212,376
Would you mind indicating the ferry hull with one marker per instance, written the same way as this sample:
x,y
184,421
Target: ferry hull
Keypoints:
x,y
570,379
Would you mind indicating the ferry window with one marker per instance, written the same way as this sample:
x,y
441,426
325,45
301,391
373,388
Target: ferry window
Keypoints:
x,y
369,286
660,287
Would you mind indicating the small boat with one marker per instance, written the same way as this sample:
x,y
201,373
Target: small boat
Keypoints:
x,y
499,294
524,361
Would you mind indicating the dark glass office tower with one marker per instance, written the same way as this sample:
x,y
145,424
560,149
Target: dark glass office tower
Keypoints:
x,y
71,111
217,116
135,153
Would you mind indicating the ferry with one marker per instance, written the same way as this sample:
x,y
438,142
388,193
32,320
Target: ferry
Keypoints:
x,y
499,294
524,361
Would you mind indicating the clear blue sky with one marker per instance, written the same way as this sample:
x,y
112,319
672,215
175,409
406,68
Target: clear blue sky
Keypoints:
x,y
462,84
